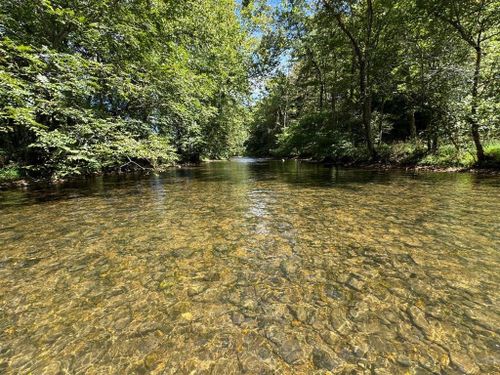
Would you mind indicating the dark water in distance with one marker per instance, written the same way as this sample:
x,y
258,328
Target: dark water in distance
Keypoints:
x,y
253,266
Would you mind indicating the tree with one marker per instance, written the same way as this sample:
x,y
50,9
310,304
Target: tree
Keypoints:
x,y
98,83
363,25
384,66
476,22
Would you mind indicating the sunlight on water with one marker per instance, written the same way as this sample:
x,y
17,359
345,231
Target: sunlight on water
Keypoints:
x,y
252,266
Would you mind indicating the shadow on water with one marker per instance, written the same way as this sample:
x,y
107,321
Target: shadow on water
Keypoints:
x,y
236,171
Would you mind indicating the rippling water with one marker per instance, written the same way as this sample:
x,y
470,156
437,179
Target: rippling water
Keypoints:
x,y
255,267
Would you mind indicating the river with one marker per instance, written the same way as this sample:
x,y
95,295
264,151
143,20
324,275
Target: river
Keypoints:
x,y
252,266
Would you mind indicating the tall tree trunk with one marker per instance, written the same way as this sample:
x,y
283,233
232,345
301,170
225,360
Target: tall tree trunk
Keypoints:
x,y
381,123
366,102
353,71
432,136
321,85
334,107
413,126
321,95
474,105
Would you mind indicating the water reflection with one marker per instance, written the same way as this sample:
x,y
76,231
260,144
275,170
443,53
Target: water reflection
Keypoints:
x,y
252,266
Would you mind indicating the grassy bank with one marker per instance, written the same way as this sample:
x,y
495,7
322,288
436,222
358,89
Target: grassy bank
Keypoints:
x,y
446,156
410,154
10,174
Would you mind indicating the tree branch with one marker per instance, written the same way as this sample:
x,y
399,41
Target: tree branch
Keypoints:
x,y
459,27
346,31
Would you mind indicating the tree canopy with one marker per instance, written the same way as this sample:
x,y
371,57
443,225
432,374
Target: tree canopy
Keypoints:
x,y
364,75
94,85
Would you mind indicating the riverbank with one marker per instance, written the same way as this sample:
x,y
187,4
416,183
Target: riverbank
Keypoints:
x,y
27,181
426,168
13,177
411,156
15,180
398,156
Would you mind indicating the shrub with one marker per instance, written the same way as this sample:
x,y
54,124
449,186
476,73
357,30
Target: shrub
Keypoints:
x,y
492,150
449,156
492,153
10,173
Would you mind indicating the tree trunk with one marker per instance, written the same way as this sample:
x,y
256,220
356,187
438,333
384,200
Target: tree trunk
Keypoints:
x,y
366,102
321,86
474,105
413,126
432,136
321,94
351,86
381,123
435,142
334,108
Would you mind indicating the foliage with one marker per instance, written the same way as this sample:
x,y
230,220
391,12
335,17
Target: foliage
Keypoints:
x,y
377,75
449,156
88,86
492,152
10,173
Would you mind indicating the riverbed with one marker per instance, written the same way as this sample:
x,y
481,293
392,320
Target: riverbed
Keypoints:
x,y
252,266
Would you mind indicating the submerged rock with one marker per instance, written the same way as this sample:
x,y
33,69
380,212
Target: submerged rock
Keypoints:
x,y
221,250
288,347
329,337
302,314
324,360
196,289
150,360
333,292
403,361
187,316
417,317
288,269
464,363
211,276
291,351
356,283
182,253
339,322
237,318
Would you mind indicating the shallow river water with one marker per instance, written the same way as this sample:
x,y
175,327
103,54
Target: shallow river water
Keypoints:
x,y
257,267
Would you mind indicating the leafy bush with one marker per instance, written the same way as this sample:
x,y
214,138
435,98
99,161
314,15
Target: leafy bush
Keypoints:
x,y
492,150
8,174
406,153
449,156
314,137
101,147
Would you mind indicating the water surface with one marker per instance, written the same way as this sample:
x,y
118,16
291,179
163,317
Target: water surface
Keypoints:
x,y
256,267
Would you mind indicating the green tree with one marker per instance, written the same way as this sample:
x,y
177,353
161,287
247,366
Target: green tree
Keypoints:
x,y
91,85
476,22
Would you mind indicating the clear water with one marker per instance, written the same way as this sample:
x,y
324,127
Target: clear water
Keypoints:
x,y
255,267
